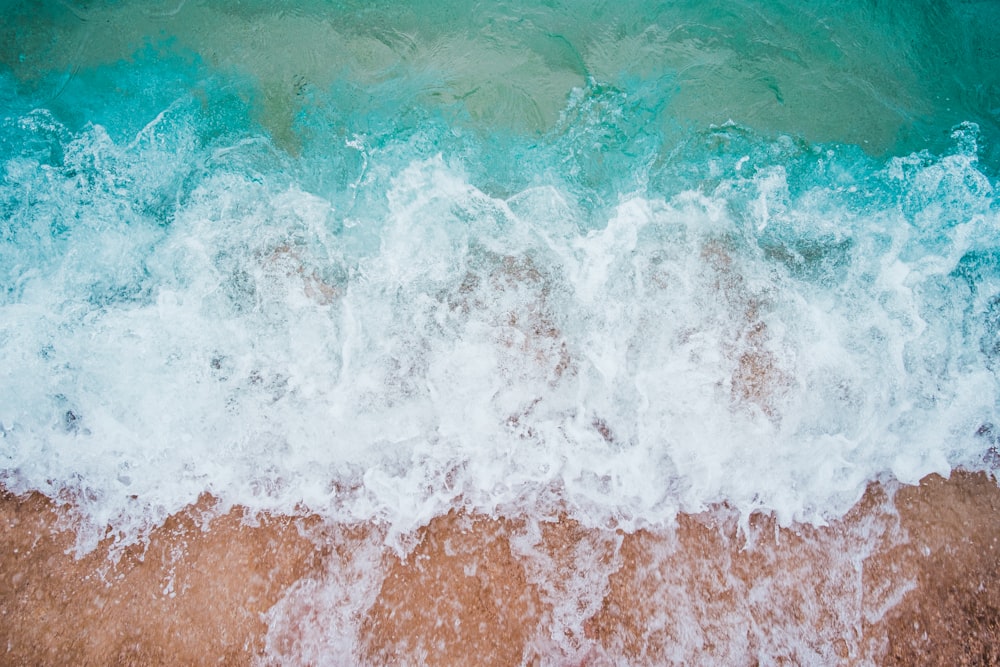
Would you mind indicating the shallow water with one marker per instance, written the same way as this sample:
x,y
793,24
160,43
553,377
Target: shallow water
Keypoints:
x,y
911,580
382,260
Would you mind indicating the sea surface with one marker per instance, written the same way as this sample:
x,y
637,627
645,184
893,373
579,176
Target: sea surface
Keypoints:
x,y
381,260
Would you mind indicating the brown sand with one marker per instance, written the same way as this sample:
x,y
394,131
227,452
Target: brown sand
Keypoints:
x,y
904,581
193,596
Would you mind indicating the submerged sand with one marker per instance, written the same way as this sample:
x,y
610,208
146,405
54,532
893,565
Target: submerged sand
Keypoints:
x,y
910,576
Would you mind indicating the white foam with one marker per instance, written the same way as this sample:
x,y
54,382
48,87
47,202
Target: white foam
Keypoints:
x,y
484,349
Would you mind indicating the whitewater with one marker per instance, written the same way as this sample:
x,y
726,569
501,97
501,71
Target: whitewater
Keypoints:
x,y
423,265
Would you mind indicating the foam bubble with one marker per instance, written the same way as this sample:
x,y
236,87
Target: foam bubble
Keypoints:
x,y
378,328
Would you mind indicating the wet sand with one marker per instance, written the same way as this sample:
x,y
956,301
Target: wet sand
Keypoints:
x,y
903,580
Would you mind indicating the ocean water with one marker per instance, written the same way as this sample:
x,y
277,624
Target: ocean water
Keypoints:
x,y
380,260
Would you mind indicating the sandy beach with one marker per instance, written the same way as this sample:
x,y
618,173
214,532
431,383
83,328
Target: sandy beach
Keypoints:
x,y
902,580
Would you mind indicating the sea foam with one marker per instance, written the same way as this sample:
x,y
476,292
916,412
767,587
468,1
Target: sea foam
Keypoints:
x,y
378,329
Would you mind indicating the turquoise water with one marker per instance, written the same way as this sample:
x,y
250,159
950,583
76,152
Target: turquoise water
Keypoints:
x,y
382,259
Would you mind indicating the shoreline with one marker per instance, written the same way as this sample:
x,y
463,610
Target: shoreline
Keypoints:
x,y
908,576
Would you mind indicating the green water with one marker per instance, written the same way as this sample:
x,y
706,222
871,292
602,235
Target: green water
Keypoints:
x,y
890,77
